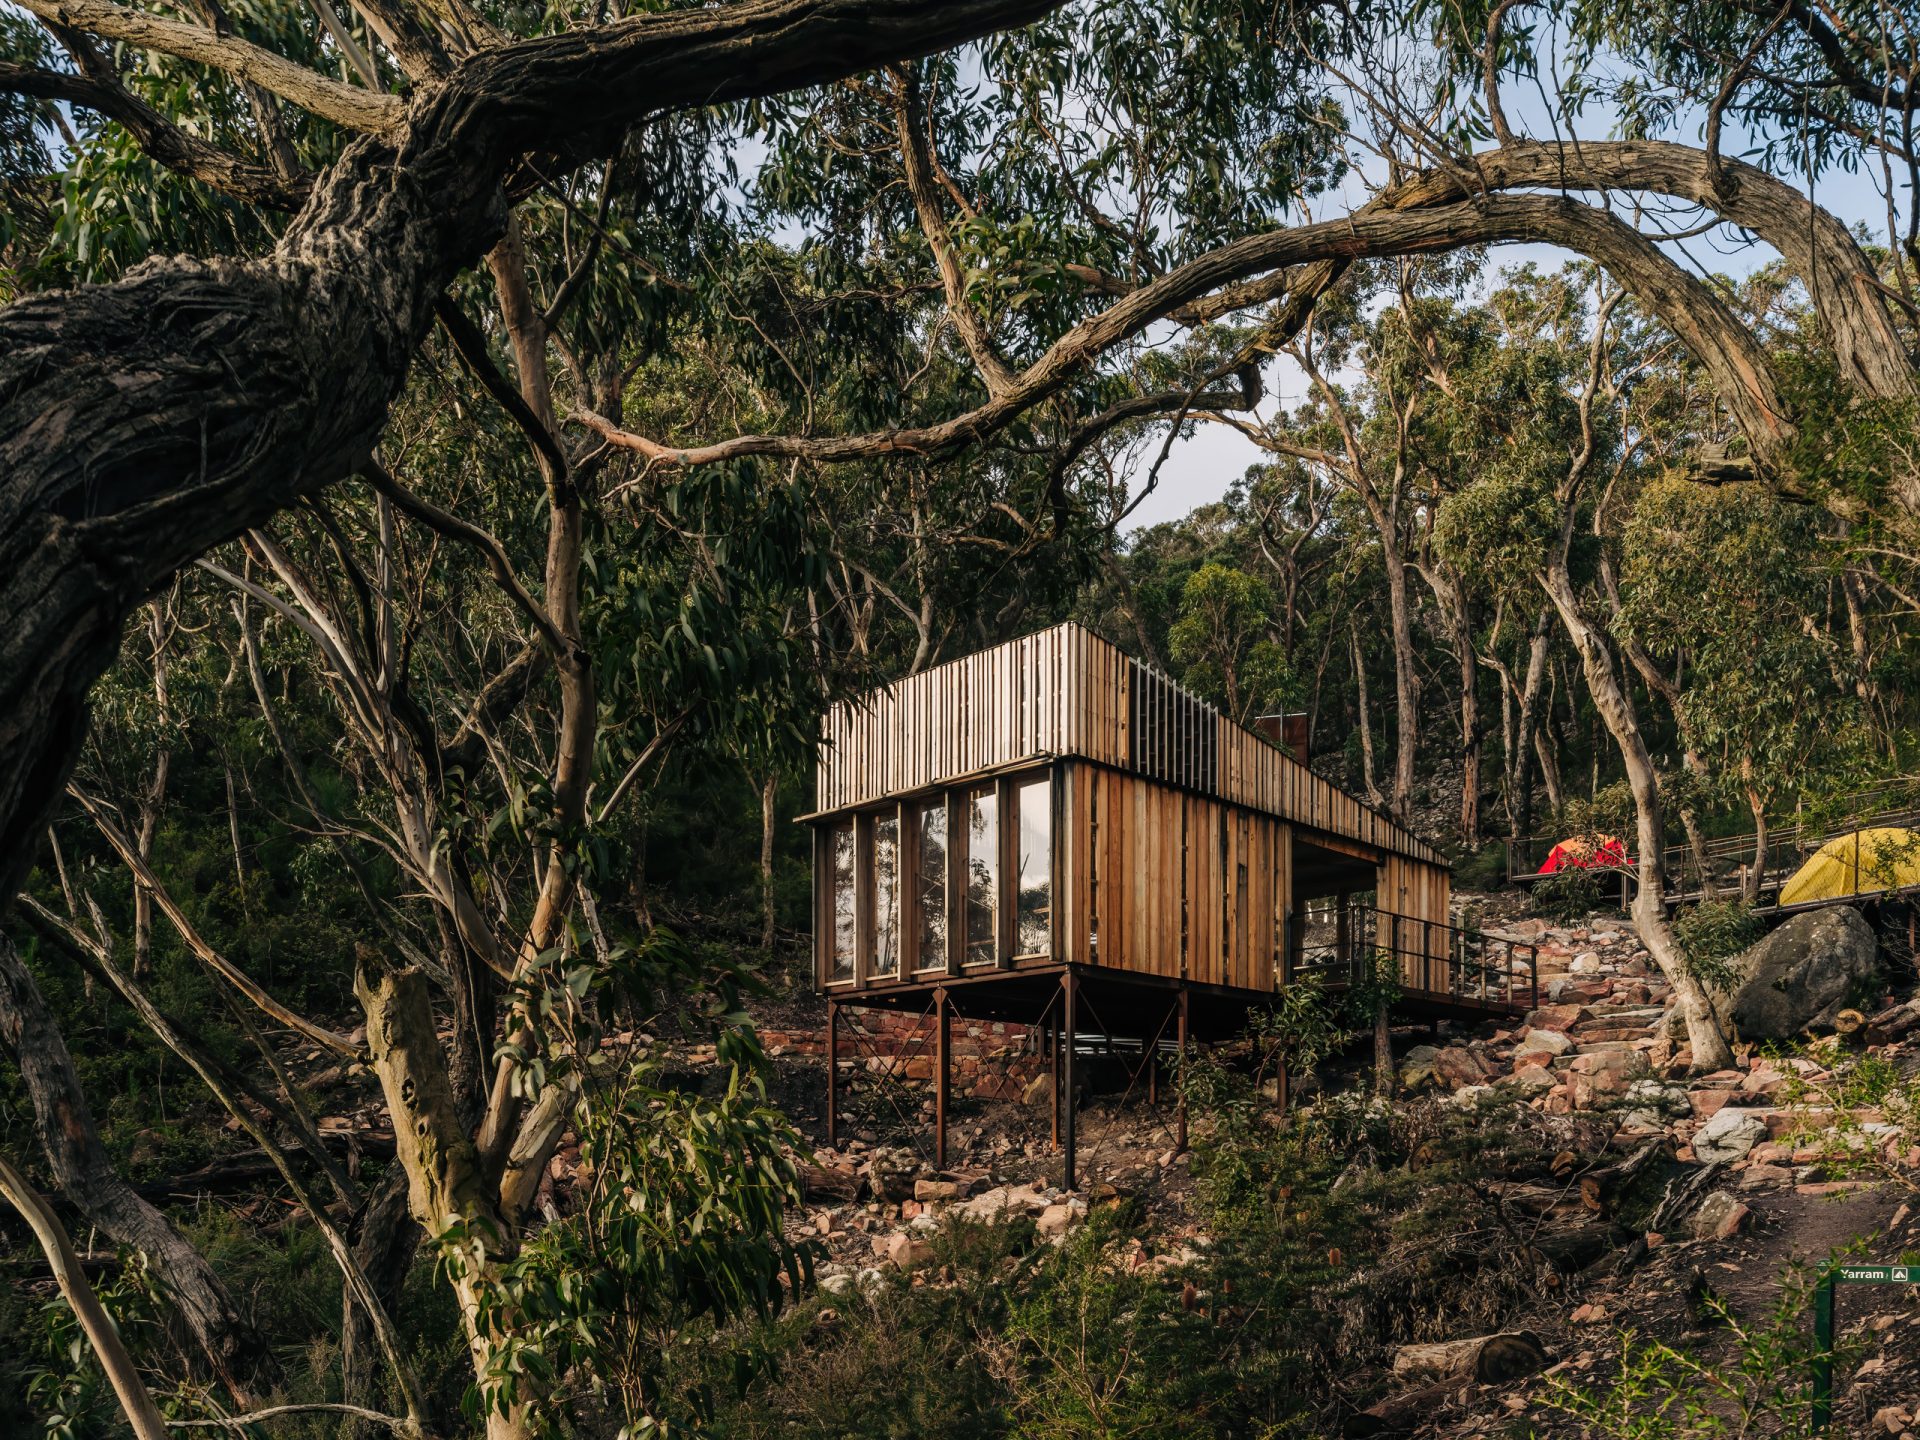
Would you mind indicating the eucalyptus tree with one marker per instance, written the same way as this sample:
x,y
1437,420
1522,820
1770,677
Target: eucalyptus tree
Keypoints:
x,y
490,732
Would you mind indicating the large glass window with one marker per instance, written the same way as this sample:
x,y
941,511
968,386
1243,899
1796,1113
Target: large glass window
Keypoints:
x,y
930,883
886,895
1033,912
844,928
983,876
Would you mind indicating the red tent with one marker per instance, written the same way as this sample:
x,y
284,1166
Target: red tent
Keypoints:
x,y
1587,852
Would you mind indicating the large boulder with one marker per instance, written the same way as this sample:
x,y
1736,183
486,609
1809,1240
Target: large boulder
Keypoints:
x,y
1801,975
1729,1135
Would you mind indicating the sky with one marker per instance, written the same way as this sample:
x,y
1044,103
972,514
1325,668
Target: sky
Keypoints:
x,y
1199,469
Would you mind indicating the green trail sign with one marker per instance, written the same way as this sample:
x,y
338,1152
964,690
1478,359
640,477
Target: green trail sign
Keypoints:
x,y
1842,1274
1878,1274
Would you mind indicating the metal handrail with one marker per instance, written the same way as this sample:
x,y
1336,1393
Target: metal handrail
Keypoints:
x,y
1525,857
1435,960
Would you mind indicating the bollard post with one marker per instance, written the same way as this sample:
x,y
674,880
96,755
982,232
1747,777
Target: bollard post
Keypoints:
x,y
1823,1353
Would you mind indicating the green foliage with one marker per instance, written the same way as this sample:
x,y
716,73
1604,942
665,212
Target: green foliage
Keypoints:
x,y
1222,640
680,1217
1102,1350
1859,1109
1712,933
65,1387
1569,896
1665,1392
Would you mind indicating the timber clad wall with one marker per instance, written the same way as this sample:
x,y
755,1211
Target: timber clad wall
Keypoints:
x,y
1175,884
1061,692
1174,831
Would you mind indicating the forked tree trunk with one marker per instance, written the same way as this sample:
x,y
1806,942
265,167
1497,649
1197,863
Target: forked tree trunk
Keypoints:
x,y
1610,700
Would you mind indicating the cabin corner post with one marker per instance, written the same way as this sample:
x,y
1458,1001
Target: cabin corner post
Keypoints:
x,y
1063,1096
833,1072
1050,1022
942,1052
1180,1039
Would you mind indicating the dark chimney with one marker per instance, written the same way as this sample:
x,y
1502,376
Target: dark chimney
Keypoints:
x,y
1289,732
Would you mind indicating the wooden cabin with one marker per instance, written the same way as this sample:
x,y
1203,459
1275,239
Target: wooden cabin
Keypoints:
x,y
1052,813
1052,801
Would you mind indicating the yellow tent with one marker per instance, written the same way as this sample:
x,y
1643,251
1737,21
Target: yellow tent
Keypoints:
x,y
1863,863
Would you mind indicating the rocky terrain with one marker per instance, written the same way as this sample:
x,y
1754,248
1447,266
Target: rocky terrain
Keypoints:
x,y
1673,1187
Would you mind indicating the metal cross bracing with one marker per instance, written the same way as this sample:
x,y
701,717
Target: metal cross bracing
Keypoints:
x,y
1082,1010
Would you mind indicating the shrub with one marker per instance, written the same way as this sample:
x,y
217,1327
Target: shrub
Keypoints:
x,y
1570,895
1664,1393
1712,933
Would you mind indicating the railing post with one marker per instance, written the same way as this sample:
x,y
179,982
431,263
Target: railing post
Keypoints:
x,y
833,1072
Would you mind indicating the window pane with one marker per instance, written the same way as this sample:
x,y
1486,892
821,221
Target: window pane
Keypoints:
x,y
1034,917
843,926
983,876
886,895
930,884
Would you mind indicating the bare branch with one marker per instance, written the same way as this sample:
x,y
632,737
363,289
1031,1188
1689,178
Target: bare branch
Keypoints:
x,y
348,105
495,554
213,959
159,138
142,1414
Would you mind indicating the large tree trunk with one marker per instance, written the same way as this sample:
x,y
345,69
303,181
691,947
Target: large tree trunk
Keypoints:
x,y
1406,678
1610,699
447,1184
144,422
81,1168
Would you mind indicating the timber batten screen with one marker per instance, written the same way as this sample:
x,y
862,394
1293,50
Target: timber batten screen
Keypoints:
x,y
1053,802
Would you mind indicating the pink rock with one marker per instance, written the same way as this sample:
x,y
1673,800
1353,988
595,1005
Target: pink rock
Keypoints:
x,y
1707,1103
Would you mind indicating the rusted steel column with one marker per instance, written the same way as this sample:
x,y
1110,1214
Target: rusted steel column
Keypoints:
x,y
833,1070
1052,1023
1180,1128
1063,1094
942,1050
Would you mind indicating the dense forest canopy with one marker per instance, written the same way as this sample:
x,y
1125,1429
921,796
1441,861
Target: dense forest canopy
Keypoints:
x,y
451,454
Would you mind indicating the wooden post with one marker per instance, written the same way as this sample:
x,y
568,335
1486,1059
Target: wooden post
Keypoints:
x,y
833,1071
1180,1040
1063,1091
942,1048
1052,1023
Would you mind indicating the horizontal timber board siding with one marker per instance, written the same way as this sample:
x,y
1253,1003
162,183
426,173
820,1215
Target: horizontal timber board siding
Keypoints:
x,y
1066,692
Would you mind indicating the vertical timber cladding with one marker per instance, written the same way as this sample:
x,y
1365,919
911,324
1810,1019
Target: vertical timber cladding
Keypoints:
x,y
1173,851
1420,895
1172,883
